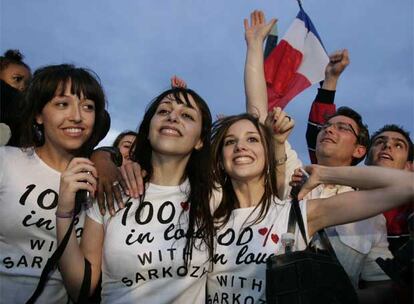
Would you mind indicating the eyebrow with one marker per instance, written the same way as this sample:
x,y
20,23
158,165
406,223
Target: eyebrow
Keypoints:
x,y
248,133
397,139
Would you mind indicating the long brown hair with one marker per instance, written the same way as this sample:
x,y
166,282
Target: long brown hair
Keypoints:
x,y
229,200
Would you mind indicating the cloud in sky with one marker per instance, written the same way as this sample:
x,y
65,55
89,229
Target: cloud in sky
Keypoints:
x,y
135,46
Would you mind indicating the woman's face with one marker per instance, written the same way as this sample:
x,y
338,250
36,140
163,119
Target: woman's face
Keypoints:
x,y
175,128
67,120
125,146
243,152
16,76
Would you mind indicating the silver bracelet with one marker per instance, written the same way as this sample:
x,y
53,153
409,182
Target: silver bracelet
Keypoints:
x,y
64,214
281,161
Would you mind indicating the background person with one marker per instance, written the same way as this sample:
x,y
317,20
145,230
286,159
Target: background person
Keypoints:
x,y
392,147
124,141
15,76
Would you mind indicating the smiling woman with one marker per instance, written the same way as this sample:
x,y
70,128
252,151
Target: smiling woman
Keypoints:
x,y
68,119
64,118
250,219
157,248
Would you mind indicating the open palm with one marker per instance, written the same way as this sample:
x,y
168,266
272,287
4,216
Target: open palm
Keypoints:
x,y
258,29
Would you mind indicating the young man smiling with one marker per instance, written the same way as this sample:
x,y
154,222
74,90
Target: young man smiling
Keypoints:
x,y
343,140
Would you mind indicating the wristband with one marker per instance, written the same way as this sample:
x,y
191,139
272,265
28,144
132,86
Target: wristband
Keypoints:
x,y
116,155
65,214
281,161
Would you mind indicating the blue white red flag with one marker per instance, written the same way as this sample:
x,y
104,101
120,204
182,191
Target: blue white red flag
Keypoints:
x,y
297,62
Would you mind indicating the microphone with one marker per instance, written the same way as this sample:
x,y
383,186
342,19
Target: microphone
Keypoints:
x,y
82,198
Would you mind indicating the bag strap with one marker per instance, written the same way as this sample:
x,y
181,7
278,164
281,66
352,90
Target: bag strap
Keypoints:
x,y
51,265
298,215
322,233
326,243
86,284
292,221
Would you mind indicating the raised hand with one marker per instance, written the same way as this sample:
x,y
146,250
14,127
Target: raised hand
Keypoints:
x,y
254,78
258,29
338,61
177,82
281,124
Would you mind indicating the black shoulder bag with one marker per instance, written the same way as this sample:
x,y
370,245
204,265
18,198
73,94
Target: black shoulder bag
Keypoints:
x,y
311,276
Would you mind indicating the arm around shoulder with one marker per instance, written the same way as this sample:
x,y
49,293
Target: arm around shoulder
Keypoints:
x,y
384,189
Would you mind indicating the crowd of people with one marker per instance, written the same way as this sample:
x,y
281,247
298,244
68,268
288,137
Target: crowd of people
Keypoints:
x,y
187,210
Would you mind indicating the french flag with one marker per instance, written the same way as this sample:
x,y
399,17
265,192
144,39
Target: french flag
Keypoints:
x,y
297,62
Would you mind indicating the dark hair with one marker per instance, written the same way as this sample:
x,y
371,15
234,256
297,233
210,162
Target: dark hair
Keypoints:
x,y
363,133
50,81
197,169
229,200
392,128
12,57
122,135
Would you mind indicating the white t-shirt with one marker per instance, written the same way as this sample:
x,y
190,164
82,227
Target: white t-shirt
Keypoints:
x,y
143,251
239,270
28,197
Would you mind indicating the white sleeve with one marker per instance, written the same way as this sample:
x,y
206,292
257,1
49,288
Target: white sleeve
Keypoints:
x,y
94,213
293,162
2,158
215,200
5,134
371,271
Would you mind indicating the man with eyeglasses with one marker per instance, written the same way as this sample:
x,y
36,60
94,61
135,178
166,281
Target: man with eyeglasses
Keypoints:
x,y
339,138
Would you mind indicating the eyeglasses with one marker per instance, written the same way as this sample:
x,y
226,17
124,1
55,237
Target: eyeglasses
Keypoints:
x,y
340,126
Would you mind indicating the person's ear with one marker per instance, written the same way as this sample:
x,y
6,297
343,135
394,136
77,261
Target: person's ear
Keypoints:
x,y
409,166
199,145
359,152
39,119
